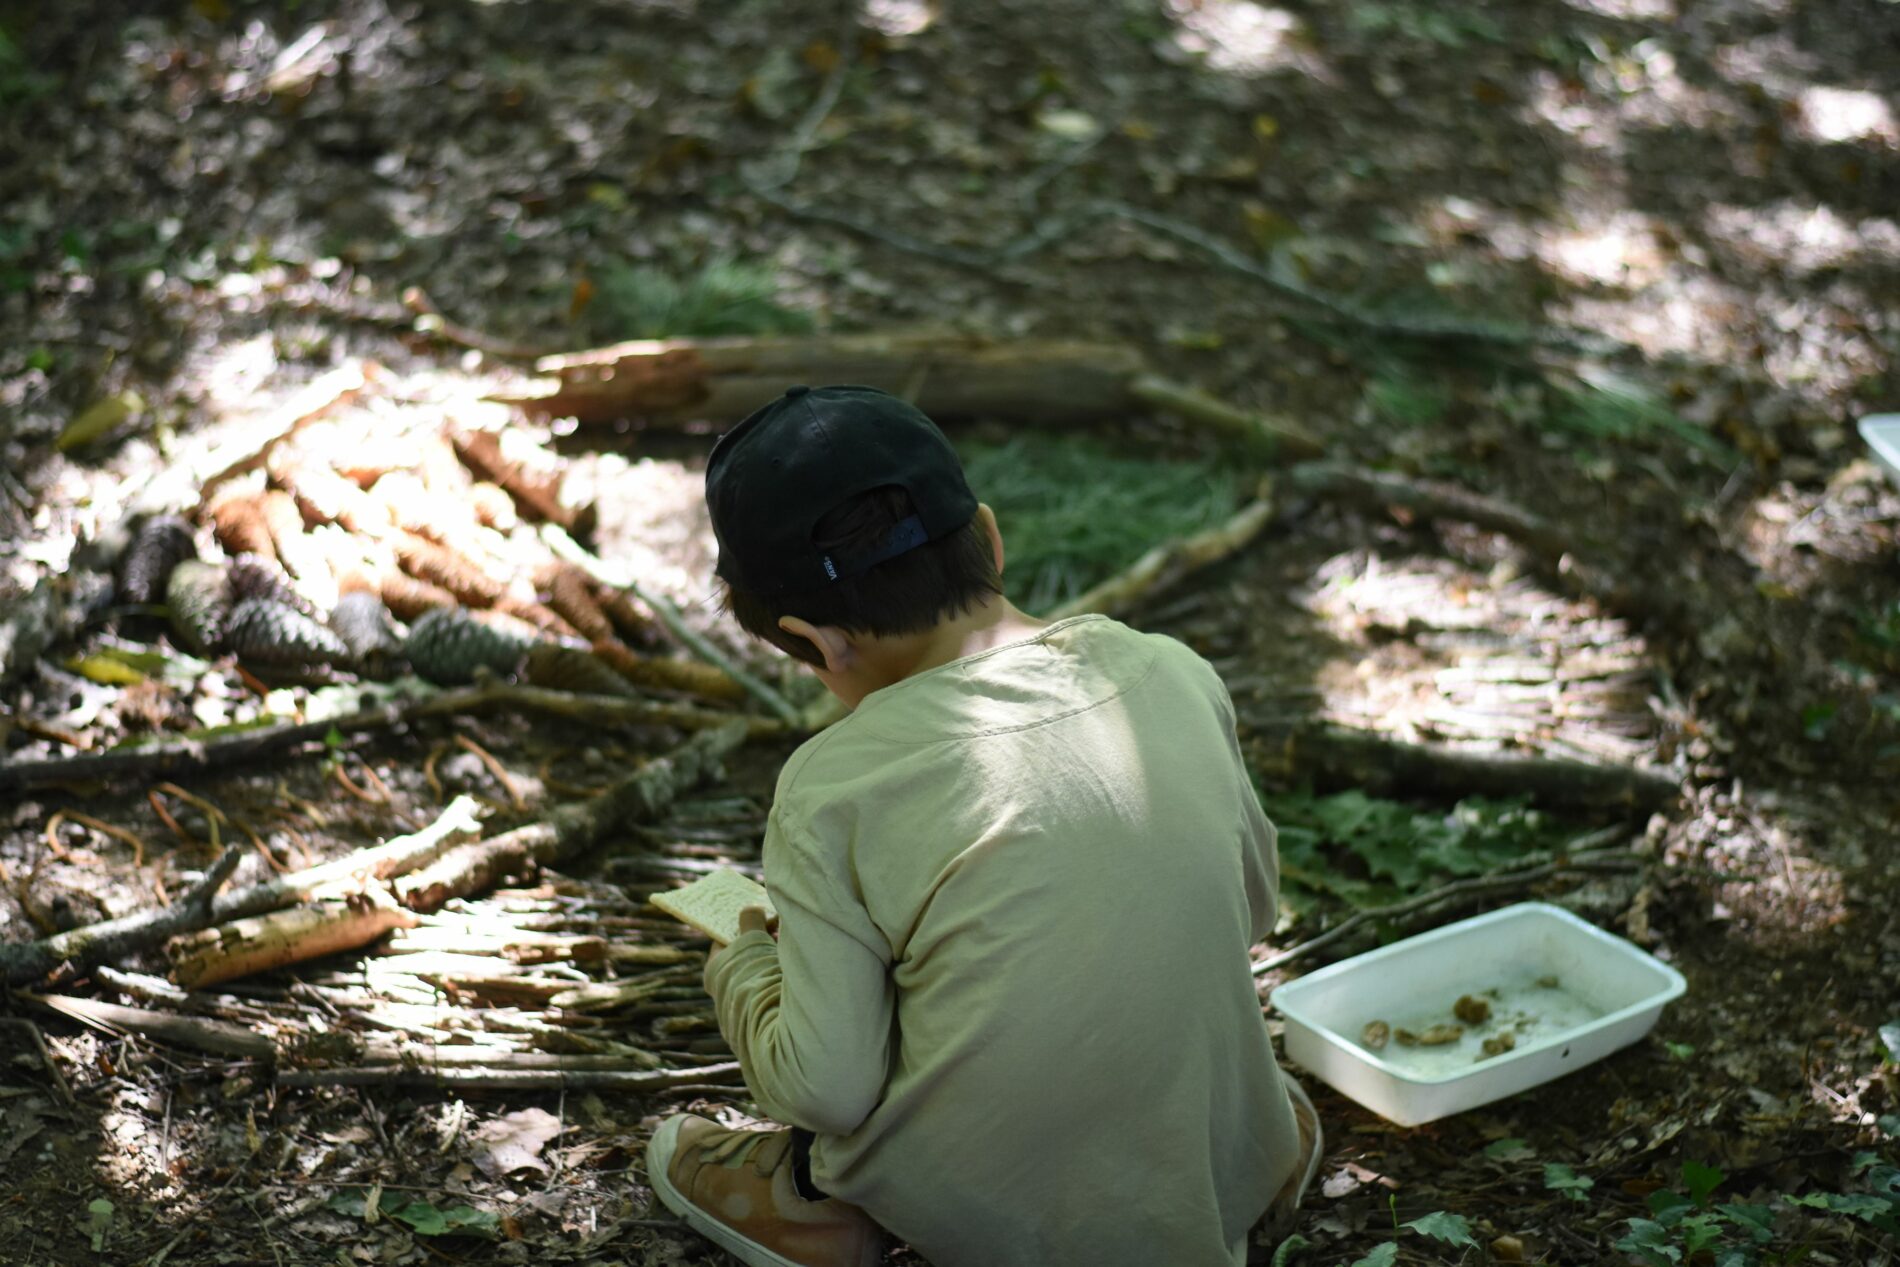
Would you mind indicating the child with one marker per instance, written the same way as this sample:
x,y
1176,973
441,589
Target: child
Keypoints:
x,y
1009,1007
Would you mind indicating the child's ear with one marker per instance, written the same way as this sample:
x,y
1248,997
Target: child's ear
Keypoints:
x,y
829,639
987,517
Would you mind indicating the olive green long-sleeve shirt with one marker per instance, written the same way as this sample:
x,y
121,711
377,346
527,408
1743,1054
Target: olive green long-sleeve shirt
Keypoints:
x,y
1010,991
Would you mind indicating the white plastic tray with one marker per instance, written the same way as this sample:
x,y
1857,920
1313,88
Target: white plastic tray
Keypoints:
x,y
1608,994
1882,434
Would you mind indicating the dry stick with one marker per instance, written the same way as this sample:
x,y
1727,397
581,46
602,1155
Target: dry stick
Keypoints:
x,y
571,550
1168,563
21,962
1614,858
513,1079
216,1038
430,321
1219,416
1433,500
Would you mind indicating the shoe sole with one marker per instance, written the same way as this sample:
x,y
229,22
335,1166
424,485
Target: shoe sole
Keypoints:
x,y
660,1149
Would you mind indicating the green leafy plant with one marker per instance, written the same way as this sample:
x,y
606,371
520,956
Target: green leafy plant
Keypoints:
x,y
1561,1178
20,81
723,297
1074,512
421,1217
1448,27
1447,1229
1366,850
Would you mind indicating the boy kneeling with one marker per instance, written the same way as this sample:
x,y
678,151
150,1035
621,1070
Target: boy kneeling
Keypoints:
x,y
1009,1007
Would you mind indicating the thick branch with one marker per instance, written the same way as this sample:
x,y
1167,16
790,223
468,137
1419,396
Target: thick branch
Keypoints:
x,y
115,939
22,962
173,760
641,797
1337,756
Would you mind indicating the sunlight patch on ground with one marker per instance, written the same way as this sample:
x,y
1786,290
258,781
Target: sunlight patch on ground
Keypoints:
x,y
1846,114
1241,37
1628,10
1801,236
1639,89
1445,653
898,18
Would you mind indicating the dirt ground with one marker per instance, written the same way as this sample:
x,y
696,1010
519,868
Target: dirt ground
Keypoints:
x,y
211,203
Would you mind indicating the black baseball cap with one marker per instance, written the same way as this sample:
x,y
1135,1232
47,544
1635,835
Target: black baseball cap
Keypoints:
x,y
770,480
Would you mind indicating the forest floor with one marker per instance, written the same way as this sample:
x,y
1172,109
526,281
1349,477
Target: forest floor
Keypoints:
x,y
211,204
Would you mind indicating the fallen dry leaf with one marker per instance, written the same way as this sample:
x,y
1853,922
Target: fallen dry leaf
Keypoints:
x,y
514,1142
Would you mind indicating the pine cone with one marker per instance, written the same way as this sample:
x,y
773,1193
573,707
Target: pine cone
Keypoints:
x,y
240,527
573,669
258,576
199,601
447,646
273,633
439,565
361,620
162,543
410,598
569,591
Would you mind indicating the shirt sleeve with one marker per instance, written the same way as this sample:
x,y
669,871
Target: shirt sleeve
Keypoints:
x,y
808,1015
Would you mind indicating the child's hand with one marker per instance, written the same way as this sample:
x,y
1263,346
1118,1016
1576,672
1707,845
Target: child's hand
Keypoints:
x,y
752,919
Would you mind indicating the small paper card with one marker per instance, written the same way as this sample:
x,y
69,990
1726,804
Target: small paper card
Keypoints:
x,y
712,903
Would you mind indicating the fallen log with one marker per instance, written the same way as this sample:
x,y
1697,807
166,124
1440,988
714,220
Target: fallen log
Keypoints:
x,y
641,797
950,376
1335,756
247,946
21,962
452,1079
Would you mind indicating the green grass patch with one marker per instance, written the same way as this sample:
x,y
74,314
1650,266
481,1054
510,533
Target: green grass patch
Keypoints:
x,y
1600,406
723,297
1074,512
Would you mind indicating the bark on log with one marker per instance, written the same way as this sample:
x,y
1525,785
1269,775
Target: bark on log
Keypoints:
x,y
1334,756
670,382
513,1079
216,1038
21,962
246,946
640,797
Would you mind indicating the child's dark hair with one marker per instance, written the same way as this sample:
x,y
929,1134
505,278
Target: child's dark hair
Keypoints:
x,y
907,594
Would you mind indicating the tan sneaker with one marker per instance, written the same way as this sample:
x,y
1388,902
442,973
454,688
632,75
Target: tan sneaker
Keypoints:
x,y
735,1188
1278,1222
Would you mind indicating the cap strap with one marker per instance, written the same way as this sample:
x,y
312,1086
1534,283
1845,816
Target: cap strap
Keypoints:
x,y
905,536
